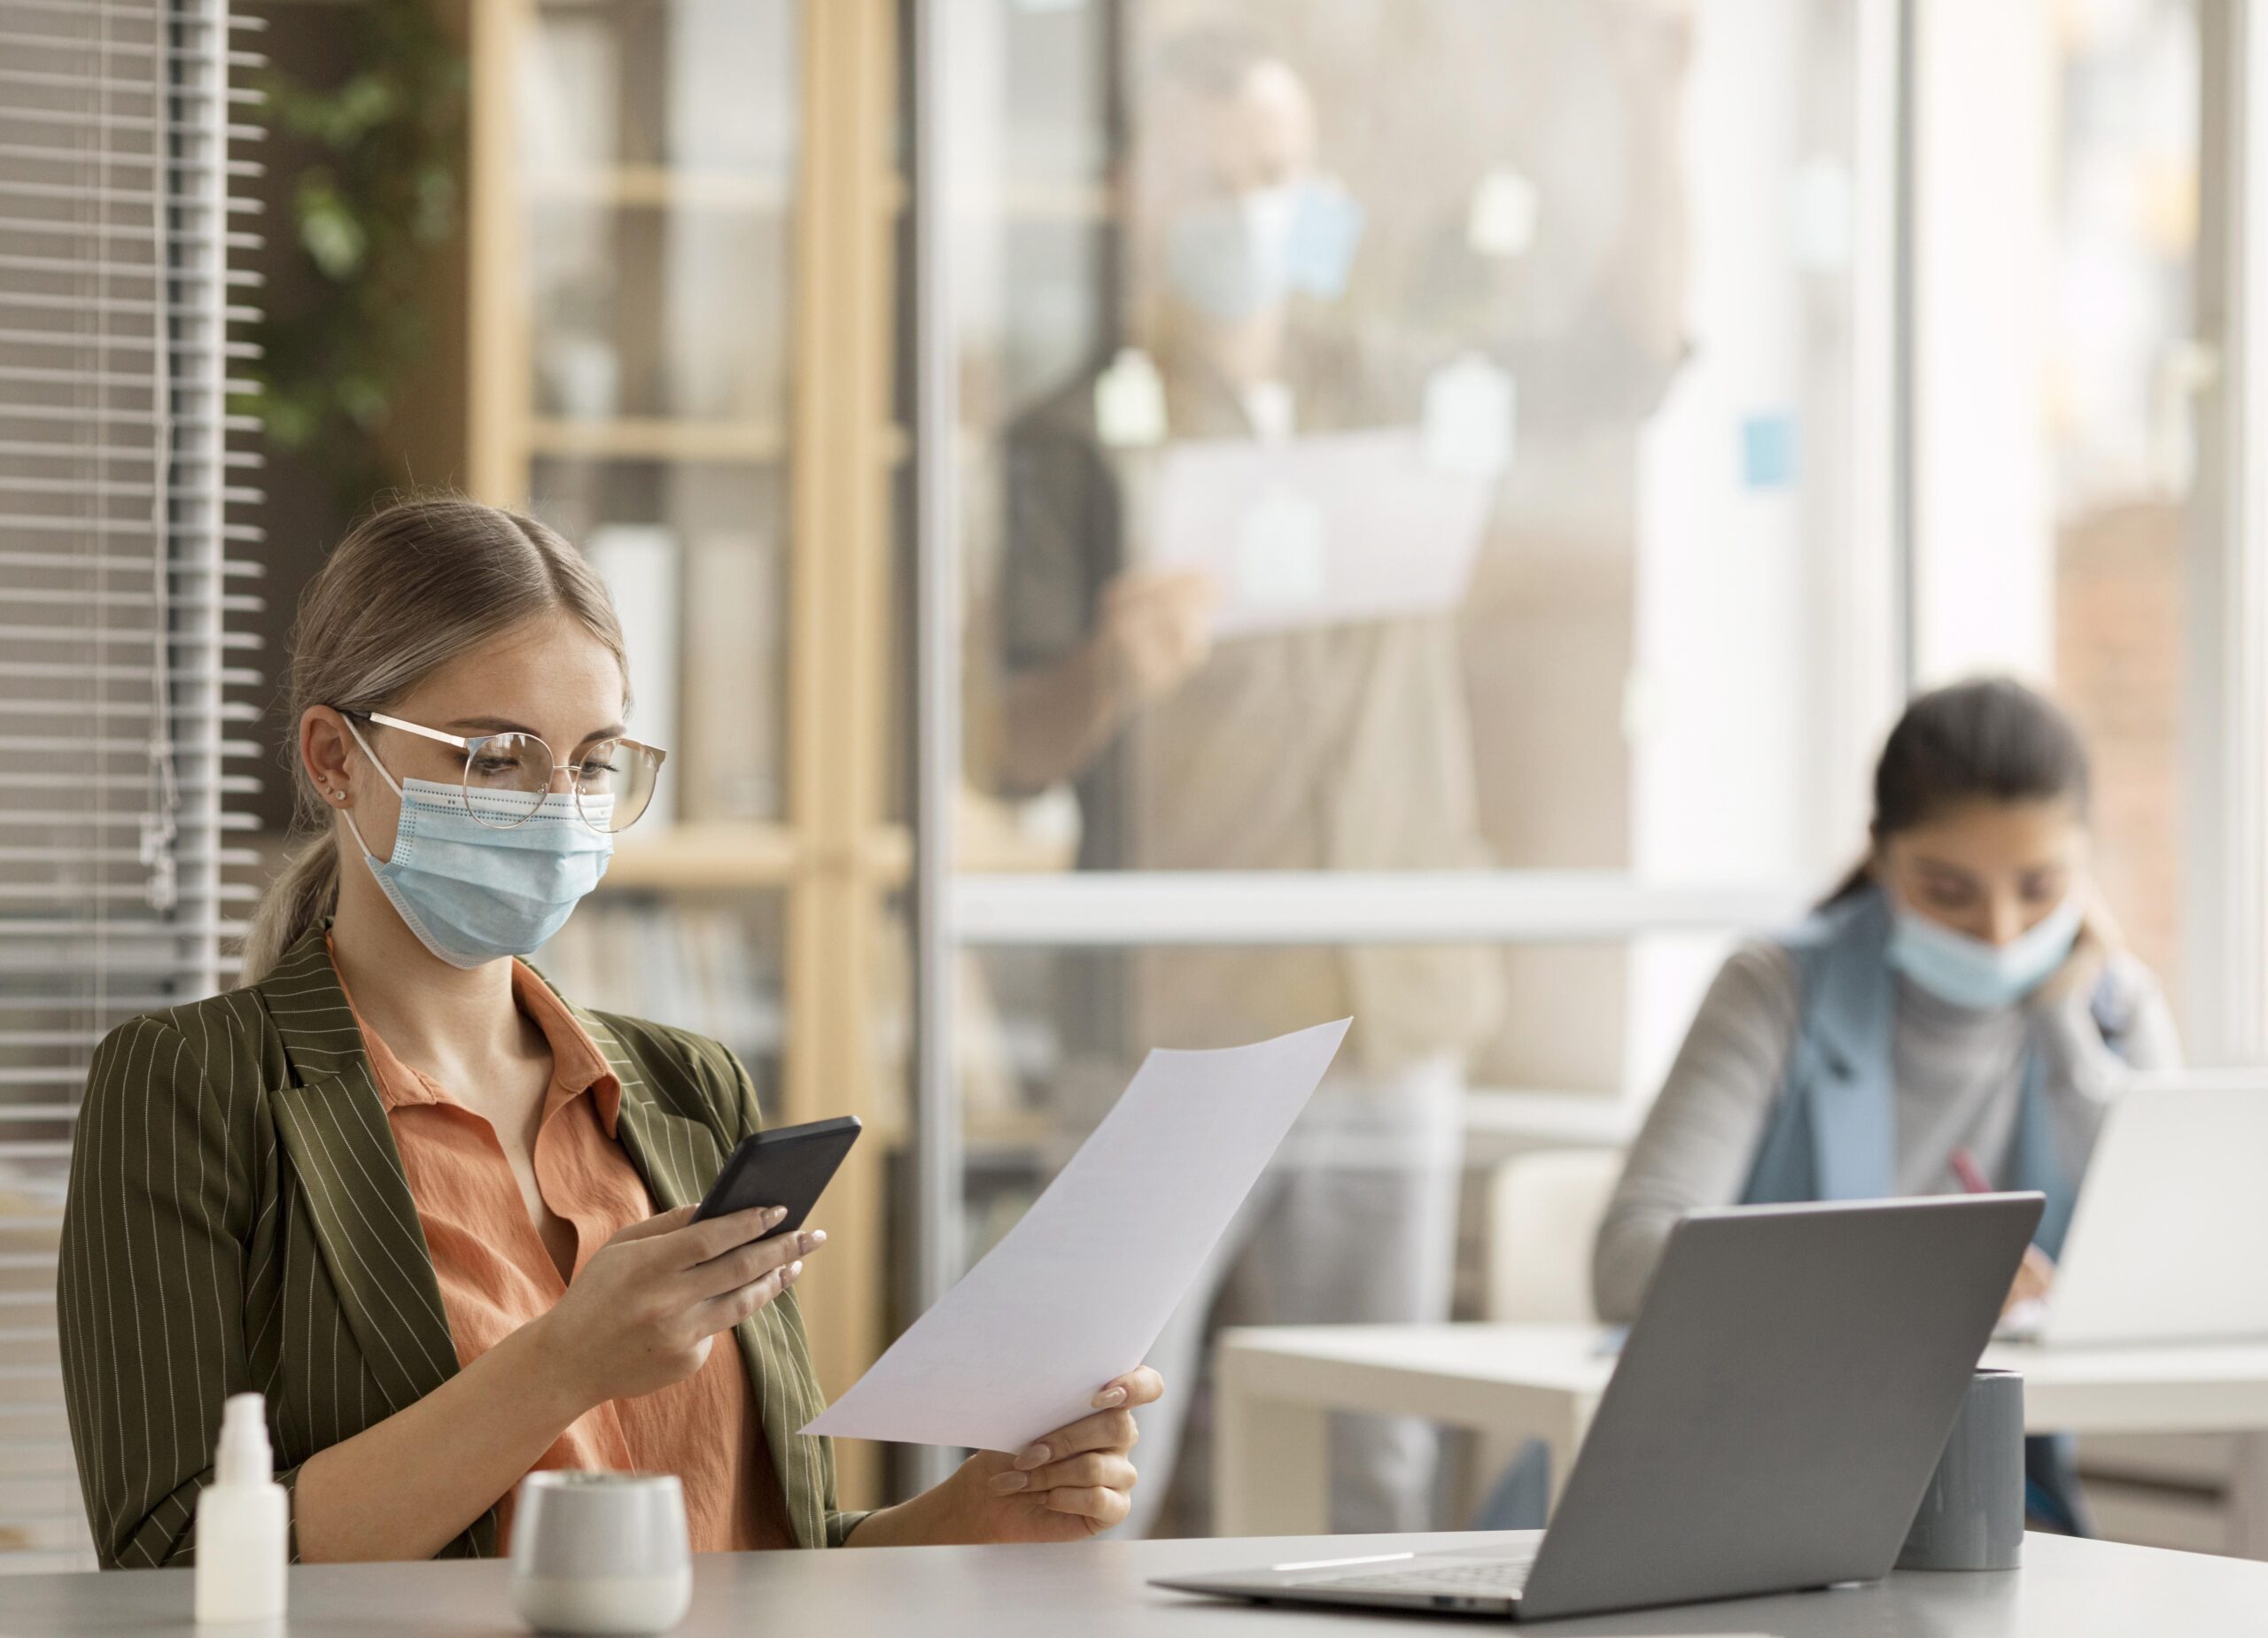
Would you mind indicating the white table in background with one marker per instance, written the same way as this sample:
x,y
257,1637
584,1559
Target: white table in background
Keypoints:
x,y
2066,1590
1277,1386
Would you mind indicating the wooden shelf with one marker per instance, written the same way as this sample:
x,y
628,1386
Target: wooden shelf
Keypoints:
x,y
658,437
670,437
700,856
662,187
1058,201
723,856
703,855
670,187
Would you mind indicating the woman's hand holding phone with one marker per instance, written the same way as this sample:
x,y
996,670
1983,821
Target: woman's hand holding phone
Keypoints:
x,y
642,1312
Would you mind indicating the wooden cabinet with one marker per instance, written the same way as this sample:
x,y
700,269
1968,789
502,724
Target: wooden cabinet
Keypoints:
x,y
683,221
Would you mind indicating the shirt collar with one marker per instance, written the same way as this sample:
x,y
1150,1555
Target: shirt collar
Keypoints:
x,y
577,1063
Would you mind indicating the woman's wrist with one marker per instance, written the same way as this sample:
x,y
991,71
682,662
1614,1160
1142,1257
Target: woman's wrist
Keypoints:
x,y
551,1386
927,1520
888,1526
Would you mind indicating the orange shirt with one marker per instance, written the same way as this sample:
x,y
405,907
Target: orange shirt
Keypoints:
x,y
496,1273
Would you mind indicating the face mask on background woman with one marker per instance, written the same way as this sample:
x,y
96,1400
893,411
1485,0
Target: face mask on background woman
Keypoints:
x,y
1968,971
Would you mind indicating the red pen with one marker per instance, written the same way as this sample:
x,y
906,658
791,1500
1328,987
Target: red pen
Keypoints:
x,y
1972,1178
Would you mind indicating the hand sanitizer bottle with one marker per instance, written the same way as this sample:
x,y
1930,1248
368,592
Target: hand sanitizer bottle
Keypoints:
x,y
242,1522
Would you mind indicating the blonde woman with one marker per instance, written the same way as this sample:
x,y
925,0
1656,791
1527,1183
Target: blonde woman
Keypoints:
x,y
438,1213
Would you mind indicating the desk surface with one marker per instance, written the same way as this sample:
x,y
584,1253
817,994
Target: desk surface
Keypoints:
x,y
2068,1589
2200,1387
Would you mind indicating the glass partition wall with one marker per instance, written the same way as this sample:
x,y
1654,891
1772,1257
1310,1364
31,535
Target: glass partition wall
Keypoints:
x,y
1419,483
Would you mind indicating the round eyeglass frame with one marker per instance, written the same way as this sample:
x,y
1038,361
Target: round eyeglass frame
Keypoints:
x,y
471,746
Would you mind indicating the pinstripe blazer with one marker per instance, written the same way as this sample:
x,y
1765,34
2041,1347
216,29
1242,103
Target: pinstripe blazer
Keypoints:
x,y
238,1219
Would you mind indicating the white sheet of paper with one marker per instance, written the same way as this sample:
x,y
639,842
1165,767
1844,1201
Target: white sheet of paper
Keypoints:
x,y
1330,530
1078,1291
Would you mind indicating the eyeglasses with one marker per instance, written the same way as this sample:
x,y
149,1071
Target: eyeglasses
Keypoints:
x,y
506,776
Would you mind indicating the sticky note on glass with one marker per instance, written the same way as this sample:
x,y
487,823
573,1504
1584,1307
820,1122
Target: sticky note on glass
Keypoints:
x,y
1471,414
1500,220
1129,402
1769,451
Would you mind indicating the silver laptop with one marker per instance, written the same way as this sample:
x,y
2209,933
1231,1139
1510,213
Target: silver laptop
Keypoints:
x,y
1779,1408
2162,1246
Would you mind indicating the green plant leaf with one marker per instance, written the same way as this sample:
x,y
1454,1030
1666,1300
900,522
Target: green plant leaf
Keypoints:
x,y
377,195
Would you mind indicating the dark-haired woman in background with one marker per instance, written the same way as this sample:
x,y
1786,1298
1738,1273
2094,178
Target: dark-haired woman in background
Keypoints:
x,y
1961,1010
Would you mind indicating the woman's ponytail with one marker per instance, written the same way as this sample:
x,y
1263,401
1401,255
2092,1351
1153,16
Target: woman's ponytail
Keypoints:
x,y
303,892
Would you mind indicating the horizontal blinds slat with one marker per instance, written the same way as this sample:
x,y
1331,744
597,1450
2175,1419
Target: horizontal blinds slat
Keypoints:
x,y
83,339
125,11
119,11
40,153
233,95
242,603
17,261
115,928
245,642
226,784
76,118
123,712
120,1002
228,677
33,818
232,568
38,744
132,234
83,45
47,897
122,855
34,522
11,486
83,193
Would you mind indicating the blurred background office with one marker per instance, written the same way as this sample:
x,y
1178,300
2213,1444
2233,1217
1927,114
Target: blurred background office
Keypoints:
x,y
1146,521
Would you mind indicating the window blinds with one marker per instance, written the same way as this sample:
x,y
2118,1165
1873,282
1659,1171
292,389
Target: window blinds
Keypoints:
x,y
122,732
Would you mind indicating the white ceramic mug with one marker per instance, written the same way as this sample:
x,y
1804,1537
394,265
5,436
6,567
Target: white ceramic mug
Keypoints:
x,y
601,1552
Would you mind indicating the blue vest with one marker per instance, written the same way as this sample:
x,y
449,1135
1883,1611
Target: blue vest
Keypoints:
x,y
1833,1133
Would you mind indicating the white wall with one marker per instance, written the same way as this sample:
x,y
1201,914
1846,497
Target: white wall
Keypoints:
x,y
1984,523
1722,703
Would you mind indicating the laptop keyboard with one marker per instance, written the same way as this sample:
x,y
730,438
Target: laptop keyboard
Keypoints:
x,y
1501,1575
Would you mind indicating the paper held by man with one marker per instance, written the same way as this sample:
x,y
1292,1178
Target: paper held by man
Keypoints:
x,y
1334,530
1079,1290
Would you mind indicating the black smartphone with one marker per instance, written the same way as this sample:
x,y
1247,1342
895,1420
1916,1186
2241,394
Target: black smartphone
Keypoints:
x,y
786,1166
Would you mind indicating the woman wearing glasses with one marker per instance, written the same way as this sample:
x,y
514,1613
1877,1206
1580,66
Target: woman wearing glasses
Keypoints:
x,y
439,1214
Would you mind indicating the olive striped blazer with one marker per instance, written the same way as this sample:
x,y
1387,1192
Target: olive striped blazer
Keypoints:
x,y
238,1219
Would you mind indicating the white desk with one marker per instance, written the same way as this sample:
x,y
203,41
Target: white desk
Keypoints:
x,y
2067,1590
1279,1384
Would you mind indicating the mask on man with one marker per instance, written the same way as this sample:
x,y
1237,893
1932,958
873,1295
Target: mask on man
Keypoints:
x,y
1234,258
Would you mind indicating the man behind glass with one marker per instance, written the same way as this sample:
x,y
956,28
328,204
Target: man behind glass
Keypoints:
x,y
1344,747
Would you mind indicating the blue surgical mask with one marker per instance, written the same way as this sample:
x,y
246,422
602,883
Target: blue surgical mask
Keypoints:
x,y
473,892
1968,971
1234,258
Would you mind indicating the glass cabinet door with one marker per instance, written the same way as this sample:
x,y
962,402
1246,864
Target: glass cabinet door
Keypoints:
x,y
655,150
